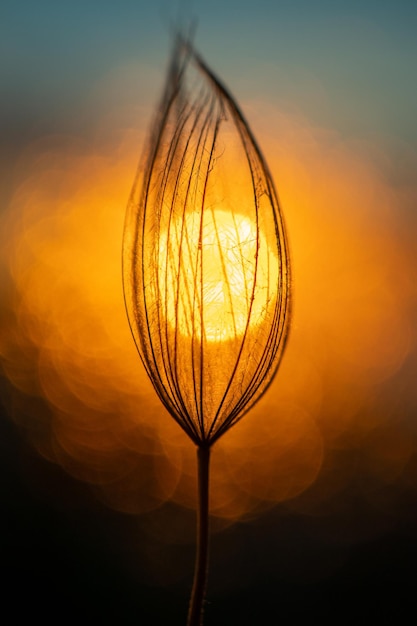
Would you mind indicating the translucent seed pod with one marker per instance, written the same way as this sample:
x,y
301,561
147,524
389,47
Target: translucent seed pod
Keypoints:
x,y
205,258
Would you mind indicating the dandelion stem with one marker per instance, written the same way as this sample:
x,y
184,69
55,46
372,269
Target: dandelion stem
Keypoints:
x,y
195,614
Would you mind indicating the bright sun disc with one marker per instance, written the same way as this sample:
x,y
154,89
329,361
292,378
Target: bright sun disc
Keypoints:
x,y
222,268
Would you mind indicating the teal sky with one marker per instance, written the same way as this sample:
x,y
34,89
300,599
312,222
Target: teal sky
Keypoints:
x,y
344,65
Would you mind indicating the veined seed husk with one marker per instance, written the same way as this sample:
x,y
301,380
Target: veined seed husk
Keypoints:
x,y
205,258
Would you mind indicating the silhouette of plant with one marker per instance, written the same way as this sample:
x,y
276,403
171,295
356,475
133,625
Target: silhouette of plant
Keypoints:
x,y
205,267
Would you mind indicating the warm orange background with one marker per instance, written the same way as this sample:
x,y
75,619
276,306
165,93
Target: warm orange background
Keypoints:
x,y
66,339
332,444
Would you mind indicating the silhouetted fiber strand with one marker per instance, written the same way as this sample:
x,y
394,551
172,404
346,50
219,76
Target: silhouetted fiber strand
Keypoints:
x,y
195,615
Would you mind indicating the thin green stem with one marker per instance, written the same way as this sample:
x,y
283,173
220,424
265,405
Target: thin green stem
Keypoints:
x,y
195,614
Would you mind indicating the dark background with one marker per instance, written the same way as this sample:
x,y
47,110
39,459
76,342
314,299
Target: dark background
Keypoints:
x,y
66,557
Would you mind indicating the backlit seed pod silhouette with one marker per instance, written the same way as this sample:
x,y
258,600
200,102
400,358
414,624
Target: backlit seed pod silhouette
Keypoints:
x,y
205,263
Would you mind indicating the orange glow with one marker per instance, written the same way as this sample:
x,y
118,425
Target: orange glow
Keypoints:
x,y
234,259
64,336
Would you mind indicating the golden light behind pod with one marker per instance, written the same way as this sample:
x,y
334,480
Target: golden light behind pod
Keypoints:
x,y
205,259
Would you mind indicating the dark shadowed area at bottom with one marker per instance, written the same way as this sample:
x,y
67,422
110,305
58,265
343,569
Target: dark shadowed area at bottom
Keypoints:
x,y
67,558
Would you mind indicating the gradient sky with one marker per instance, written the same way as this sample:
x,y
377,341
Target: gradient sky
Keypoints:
x,y
348,65
342,74
330,90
